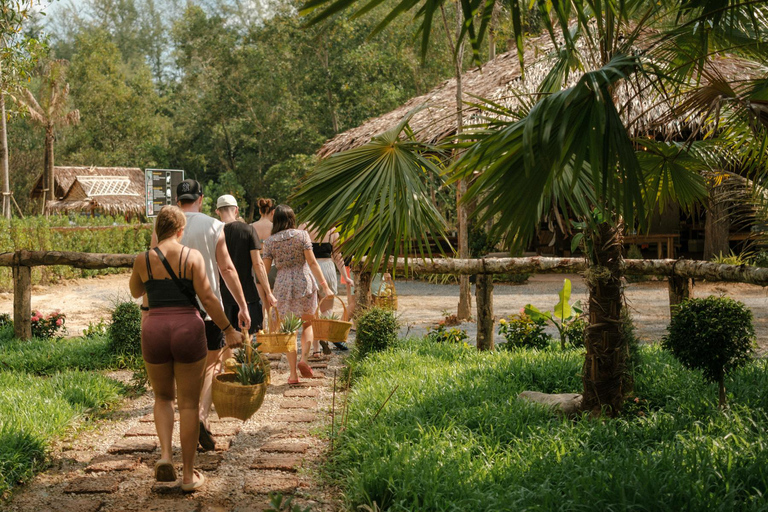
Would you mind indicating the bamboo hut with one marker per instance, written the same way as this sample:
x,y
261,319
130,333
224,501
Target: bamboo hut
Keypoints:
x,y
116,191
502,82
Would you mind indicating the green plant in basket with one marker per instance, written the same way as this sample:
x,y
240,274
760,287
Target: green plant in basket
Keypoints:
x,y
241,355
330,316
290,324
249,374
563,314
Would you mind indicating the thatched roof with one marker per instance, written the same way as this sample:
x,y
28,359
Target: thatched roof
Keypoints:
x,y
500,80
109,190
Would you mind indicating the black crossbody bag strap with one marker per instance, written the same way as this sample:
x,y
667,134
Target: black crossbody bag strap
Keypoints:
x,y
183,289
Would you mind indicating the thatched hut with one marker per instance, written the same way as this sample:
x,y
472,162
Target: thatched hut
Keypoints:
x,y
90,190
502,82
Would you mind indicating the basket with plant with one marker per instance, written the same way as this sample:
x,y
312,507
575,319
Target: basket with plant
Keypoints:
x,y
241,393
330,327
240,357
279,337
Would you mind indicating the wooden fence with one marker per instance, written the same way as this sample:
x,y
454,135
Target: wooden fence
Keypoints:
x,y
680,274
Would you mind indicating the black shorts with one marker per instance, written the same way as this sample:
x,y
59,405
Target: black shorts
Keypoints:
x,y
254,310
214,336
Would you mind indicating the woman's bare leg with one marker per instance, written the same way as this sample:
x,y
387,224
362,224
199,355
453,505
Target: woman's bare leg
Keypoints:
x,y
307,337
292,360
189,383
161,378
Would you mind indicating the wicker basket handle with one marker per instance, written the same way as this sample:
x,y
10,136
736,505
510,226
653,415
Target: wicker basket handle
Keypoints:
x,y
344,316
271,329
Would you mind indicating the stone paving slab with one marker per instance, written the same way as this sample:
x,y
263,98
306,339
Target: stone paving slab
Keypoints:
x,y
274,357
103,484
295,417
150,418
299,404
223,444
284,447
318,365
277,462
301,393
268,483
208,461
170,505
74,505
317,375
142,430
221,428
171,488
104,463
133,445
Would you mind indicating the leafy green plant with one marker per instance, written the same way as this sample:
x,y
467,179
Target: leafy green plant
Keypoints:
x,y
290,324
5,319
742,258
523,331
249,374
441,334
125,329
563,313
574,331
278,504
377,329
760,259
330,316
95,329
48,326
714,335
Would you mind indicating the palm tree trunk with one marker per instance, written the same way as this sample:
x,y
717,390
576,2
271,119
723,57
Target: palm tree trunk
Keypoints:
x,y
49,179
717,225
4,159
604,374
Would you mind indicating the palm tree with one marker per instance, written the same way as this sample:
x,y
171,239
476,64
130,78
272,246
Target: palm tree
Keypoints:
x,y
50,113
580,148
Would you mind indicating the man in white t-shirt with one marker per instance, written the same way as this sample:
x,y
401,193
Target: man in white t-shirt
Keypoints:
x,y
206,234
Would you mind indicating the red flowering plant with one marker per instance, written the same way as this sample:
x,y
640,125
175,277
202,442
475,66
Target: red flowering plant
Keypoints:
x,y
48,326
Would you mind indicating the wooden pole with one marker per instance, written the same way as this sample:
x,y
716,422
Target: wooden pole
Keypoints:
x,y
680,289
22,302
485,322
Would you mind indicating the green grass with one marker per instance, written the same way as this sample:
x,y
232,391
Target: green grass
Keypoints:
x,y
455,437
47,388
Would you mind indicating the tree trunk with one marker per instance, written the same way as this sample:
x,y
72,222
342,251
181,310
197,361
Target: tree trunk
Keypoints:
x,y
721,392
604,373
22,302
362,291
6,212
484,293
717,225
48,178
680,289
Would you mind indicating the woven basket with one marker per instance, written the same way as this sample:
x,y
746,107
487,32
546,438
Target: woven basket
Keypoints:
x,y
386,297
335,331
274,342
233,400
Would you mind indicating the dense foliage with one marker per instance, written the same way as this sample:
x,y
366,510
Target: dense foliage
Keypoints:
x,y
523,331
714,335
125,330
442,334
454,437
377,329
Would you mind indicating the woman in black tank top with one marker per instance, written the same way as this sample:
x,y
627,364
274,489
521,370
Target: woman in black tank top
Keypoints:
x,y
173,342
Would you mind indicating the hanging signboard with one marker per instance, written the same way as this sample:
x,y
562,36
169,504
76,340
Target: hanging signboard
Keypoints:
x,y
160,188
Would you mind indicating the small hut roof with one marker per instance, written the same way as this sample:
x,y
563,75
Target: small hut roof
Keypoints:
x,y
110,190
500,80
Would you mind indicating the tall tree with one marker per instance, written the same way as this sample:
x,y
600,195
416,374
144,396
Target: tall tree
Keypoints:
x,y
50,113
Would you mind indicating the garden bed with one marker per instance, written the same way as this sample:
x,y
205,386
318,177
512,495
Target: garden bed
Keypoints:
x,y
455,437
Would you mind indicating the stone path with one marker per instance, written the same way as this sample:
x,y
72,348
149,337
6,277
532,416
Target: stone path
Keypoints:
x,y
110,468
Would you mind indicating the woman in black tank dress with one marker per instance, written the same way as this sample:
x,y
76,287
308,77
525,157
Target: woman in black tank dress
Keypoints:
x,y
173,342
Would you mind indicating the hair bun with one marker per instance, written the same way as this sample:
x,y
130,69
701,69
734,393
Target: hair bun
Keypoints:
x,y
265,205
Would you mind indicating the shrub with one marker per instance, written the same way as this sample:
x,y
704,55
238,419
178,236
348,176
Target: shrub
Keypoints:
x,y
714,335
377,329
48,327
5,319
574,331
440,334
522,331
125,329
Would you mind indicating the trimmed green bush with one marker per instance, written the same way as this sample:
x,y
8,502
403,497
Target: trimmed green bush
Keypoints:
x,y
714,335
441,334
125,329
522,331
377,329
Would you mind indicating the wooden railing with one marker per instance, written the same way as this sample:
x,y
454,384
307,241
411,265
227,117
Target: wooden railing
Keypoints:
x,y
680,274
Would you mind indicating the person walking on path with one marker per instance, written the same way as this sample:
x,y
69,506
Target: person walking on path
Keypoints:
x,y
207,236
244,248
173,343
263,228
326,251
291,251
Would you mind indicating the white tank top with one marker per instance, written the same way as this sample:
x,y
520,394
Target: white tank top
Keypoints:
x,y
202,233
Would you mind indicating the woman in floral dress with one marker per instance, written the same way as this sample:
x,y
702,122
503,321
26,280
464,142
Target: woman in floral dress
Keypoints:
x,y
291,251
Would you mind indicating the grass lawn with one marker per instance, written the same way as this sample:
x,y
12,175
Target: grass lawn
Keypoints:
x,y
47,387
455,437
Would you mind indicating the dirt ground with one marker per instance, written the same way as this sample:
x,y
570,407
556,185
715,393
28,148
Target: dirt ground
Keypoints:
x,y
421,305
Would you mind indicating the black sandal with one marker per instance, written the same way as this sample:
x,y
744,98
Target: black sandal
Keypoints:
x,y
326,347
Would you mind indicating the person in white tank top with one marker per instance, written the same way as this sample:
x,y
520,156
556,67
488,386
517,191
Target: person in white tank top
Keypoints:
x,y
206,234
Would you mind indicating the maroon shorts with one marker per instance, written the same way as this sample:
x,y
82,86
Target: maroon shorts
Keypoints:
x,y
173,334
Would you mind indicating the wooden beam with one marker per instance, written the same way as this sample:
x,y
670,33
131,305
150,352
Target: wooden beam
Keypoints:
x,y
72,259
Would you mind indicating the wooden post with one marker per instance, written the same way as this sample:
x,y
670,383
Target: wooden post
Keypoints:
x,y
22,302
484,299
680,289
363,291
